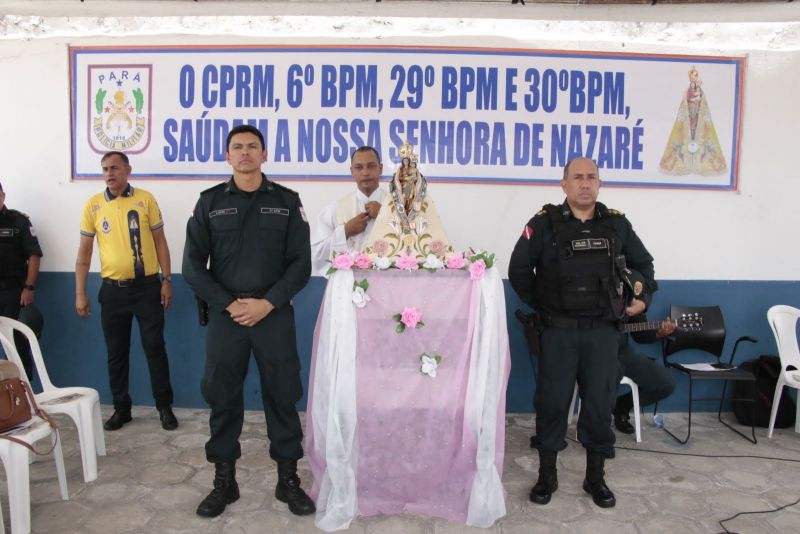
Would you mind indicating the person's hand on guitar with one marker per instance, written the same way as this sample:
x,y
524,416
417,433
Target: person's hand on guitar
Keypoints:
x,y
667,328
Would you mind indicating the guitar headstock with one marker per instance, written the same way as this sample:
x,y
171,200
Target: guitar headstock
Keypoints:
x,y
689,322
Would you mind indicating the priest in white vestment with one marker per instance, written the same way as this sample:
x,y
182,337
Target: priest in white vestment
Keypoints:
x,y
345,224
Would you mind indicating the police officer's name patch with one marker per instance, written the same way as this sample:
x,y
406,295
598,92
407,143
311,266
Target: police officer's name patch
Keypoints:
x,y
7,232
275,211
589,244
226,211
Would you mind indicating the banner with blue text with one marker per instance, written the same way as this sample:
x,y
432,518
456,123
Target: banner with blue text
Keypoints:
x,y
475,115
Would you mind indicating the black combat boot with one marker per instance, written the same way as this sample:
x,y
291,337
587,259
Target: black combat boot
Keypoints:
x,y
225,492
622,414
547,483
594,484
289,491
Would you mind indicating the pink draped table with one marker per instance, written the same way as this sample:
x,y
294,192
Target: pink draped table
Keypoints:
x,y
382,437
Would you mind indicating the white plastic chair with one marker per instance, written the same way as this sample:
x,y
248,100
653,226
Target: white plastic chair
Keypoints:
x,y
81,404
15,462
637,420
783,321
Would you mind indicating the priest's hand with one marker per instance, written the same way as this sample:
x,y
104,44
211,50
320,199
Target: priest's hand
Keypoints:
x,y
356,225
372,208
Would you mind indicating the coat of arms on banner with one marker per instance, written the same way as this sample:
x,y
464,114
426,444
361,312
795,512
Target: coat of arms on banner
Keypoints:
x,y
119,107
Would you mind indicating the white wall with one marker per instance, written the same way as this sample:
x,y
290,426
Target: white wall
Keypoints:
x,y
751,234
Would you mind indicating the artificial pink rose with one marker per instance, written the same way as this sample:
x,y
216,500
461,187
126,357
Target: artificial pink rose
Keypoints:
x,y
380,247
342,262
437,247
476,270
363,261
407,262
456,261
410,317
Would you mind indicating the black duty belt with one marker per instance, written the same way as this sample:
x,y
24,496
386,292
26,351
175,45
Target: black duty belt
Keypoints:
x,y
130,282
570,323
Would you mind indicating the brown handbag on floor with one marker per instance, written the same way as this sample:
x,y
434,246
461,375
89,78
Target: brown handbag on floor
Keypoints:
x,y
16,400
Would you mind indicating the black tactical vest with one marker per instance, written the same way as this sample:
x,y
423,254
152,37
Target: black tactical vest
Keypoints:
x,y
581,282
13,262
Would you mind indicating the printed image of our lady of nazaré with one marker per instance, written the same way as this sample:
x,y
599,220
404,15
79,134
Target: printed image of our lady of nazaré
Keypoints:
x,y
408,223
693,146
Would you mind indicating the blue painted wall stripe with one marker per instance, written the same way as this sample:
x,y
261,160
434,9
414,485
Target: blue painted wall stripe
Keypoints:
x,y
75,351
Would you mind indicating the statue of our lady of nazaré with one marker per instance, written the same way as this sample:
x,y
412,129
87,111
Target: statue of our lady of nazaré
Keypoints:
x,y
408,223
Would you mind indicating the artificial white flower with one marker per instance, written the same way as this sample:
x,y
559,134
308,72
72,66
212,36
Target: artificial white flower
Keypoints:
x,y
382,263
360,297
429,366
432,262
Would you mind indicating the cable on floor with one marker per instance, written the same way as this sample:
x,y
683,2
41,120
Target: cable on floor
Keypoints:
x,y
731,518
722,521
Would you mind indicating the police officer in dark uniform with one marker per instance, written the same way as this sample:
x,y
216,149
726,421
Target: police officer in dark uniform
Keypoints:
x,y
566,266
20,255
247,254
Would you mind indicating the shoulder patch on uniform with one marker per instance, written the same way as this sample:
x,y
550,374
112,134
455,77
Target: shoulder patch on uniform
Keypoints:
x,y
615,212
527,232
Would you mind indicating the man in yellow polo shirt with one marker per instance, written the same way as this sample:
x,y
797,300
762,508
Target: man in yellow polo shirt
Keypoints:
x,y
130,236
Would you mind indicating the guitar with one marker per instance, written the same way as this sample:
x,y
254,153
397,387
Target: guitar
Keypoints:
x,y
688,322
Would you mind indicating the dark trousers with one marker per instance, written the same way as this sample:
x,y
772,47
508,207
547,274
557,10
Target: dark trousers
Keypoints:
x,y
228,348
118,307
653,379
9,307
590,358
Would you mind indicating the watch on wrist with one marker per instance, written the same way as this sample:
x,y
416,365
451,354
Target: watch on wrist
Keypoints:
x,y
167,279
30,287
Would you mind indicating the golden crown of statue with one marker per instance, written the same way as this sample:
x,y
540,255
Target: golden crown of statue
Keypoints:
x,y
407,151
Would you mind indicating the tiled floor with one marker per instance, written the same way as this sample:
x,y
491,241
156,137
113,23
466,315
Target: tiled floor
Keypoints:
x,y
152,480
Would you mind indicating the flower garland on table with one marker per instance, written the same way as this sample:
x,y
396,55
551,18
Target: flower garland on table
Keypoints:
x,y
476,262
